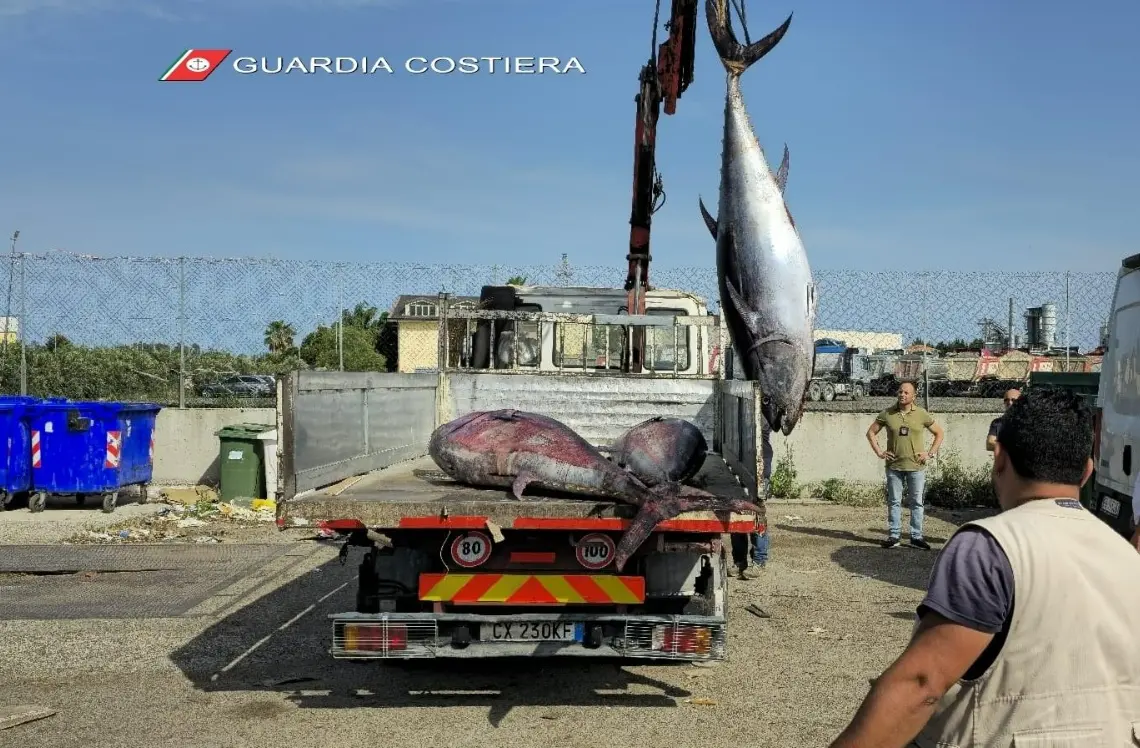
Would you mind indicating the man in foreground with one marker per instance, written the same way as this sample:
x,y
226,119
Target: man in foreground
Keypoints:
x,y
906,457
995,425
1027,633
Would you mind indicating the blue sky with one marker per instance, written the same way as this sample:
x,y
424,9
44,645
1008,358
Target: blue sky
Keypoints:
x,y
952,136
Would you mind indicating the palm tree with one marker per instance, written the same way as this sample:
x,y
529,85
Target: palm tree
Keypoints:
x,y
279,336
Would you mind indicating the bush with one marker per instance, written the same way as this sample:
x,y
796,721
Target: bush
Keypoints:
x,y
849,493
782,484
951,485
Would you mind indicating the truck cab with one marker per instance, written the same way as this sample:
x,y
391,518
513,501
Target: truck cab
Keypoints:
x,y
1119,402
571,341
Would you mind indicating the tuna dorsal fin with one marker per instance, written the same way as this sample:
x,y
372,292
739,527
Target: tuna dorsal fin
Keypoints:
x,y
709,220
506,415
811,301
782,173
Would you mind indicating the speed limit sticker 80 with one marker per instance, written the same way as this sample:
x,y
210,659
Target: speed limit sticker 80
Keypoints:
x,y
595,551
471,549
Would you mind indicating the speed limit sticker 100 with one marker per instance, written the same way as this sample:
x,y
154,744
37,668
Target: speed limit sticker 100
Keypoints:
x,y
595,551
471,549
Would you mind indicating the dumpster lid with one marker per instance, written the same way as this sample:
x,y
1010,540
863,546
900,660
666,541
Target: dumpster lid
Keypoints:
x,y
244,430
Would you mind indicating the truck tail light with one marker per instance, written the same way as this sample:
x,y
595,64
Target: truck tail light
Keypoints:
x,y
694,640
375,637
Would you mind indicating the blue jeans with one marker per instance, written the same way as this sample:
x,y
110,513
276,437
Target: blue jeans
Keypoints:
x,y
740,545
915,482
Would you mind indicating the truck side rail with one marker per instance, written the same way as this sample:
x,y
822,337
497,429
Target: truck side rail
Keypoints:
x,y
335,425
741,438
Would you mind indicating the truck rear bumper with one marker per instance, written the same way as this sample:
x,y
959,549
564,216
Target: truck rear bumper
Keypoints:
x,y
388,636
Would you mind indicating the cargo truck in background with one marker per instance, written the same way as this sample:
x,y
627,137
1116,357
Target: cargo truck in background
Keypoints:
x,y
839,370
447,570
1118,400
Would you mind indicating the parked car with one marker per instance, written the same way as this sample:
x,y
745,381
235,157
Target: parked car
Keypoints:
x,y
241,385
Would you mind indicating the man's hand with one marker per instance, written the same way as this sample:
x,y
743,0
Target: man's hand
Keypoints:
x,y
923,457
886,455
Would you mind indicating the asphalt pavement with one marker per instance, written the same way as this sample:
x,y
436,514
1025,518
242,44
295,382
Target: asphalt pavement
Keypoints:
x,y
237,655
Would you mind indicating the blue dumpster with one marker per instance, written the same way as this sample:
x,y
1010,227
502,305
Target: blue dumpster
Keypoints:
x,y
84,448
15,443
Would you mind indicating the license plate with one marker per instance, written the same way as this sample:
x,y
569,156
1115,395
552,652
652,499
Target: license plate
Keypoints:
x,y
1110,506
531,631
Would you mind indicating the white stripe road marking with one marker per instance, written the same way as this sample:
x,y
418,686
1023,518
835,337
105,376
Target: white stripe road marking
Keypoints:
x,y
269,636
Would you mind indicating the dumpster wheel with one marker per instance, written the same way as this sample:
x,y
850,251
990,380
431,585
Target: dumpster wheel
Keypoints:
x,y
109,500
37,502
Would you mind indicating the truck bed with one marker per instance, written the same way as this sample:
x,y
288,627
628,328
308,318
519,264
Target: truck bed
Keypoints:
x,y
416,494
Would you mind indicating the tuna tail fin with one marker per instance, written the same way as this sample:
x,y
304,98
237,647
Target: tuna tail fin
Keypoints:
x,y
737,57
672,499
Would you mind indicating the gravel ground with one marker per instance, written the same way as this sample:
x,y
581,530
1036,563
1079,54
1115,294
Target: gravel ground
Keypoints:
x,y
840,610
63,519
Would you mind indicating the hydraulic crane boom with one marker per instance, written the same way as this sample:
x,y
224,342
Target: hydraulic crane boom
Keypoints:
x,y
663,79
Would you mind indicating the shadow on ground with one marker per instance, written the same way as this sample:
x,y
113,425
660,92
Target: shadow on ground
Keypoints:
x,y
903,565
279,643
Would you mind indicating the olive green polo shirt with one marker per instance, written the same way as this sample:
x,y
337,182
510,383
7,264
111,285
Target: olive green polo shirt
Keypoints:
x,y
906,435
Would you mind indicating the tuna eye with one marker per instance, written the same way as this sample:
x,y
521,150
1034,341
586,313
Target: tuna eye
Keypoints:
x,y
766,400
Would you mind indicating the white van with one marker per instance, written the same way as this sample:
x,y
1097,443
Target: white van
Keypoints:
x,y
1119,404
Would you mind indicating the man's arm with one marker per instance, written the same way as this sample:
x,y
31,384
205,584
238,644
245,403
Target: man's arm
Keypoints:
x,y
903,698
1136,512
968,600
933,427
991,436
872,438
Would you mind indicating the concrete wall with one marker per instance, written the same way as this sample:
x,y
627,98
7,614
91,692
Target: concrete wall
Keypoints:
x,y
834,445
824,445
185,445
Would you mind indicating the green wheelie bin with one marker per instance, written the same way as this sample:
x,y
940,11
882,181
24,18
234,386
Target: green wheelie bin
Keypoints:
x,y
242,461
1086,384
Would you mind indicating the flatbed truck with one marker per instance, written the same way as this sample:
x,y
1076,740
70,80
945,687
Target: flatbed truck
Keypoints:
x,y
450,570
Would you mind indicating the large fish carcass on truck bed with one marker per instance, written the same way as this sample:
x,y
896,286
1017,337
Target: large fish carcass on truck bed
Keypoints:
x,y
452,570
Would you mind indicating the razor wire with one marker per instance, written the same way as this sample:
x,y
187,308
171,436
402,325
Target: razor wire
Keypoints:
x,y
137,327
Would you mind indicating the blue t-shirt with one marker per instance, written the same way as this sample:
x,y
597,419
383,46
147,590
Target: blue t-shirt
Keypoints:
x,y
971,584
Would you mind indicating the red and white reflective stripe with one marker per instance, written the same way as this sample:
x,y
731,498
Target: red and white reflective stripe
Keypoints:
x,y
114,444
150,454
35,448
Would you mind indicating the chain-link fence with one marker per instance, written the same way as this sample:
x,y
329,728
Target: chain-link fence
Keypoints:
x,y
134,328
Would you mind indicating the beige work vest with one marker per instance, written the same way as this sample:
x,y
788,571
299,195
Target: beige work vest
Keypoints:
x,y
1068,674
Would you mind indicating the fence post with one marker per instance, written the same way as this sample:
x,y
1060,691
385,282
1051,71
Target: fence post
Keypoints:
x,y
23,328
926,339
1067,318
340,316
181,333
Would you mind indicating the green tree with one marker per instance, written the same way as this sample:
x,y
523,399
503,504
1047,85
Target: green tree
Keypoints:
x,y
319,349
279,336
364,317
56,342
516,280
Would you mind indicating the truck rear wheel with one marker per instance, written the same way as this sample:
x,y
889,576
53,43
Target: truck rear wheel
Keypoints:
x,y
815,391
857,392
828,392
